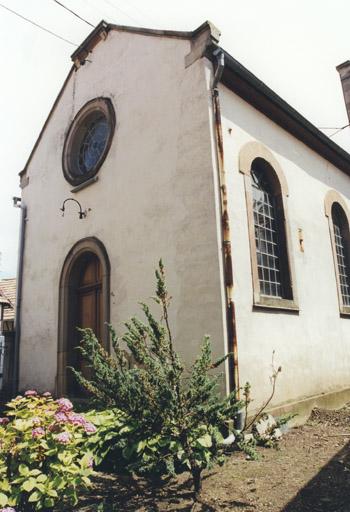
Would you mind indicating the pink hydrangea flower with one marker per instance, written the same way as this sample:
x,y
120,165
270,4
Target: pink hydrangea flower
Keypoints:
x,y
64,405
90,428
4,421
47,393
64,437
36,421
61,417
7,509
77,420
38,432
30,392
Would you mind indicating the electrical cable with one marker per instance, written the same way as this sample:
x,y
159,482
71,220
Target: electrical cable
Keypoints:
x,y
143,13
329,127
39,26
74,13
339,130
112,4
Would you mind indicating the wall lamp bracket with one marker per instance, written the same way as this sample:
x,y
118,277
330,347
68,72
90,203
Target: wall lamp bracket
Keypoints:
x,y
82,213
17,201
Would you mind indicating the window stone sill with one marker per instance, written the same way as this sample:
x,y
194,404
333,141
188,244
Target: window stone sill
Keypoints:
x,y
275,303
85,184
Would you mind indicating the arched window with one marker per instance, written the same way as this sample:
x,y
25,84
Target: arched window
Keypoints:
x,y
269,236
338,217
266,192
341,241
84,302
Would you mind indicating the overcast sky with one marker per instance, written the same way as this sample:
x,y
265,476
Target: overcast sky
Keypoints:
x,y
292,46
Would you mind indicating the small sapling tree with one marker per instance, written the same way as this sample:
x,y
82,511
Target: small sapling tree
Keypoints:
x,y
176,416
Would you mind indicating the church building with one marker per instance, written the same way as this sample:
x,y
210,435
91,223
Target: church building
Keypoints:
x,y
161,145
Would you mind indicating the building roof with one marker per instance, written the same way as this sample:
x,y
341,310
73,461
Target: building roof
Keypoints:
x,y
235,76
8,294
246,85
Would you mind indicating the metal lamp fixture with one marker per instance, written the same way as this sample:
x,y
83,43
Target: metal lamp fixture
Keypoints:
x,y
82,214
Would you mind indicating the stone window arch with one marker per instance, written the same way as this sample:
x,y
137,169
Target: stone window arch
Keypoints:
x,y
266,192
337,212
88,141
83,302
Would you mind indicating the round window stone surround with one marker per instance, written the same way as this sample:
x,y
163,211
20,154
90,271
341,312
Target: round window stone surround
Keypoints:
x,y
88,140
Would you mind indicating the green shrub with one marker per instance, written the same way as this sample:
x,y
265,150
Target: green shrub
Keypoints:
x,y
43,457
174,418
114,431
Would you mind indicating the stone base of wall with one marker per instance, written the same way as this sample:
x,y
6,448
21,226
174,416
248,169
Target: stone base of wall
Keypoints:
x,y
303,408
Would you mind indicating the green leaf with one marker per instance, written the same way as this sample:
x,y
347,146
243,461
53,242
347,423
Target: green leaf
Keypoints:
x,y
140,446
86,480
205,441
35,496
41,478
49,503
5,485
23,470
12,502
40,487
28,485
207,456
35,472
3,499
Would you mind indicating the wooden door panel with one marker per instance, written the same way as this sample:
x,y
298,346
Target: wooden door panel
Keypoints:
x,y
87,310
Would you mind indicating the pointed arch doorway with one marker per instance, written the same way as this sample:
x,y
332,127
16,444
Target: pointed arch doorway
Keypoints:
x,y
84,302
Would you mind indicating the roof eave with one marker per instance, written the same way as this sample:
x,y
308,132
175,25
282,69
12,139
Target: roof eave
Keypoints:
x,y
101,30
246,85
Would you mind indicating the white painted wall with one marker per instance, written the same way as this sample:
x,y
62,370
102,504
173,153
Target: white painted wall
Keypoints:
x,y
153,198
313,347
157,196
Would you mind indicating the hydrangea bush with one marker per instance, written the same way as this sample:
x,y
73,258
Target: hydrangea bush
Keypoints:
x,y
43,455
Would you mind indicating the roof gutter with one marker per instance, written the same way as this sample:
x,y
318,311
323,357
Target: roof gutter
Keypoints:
x,y
246,85
225,229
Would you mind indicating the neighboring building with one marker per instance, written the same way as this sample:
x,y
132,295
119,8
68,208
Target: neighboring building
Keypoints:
x,y
7,334
174,150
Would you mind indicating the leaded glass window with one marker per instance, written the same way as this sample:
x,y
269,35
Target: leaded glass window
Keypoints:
x,y
93,144
88,141
266,234
341,249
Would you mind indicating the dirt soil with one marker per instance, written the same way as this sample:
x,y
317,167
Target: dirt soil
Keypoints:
x,y
309,473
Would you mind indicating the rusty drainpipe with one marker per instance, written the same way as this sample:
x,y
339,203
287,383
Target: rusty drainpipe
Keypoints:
x,y
225,224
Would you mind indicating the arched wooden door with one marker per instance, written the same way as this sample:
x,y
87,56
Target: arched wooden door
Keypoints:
x,y
84,303
89,295
86,311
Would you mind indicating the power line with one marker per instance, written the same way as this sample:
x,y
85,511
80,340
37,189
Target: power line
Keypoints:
x,y
114,6
329,127
74,13
37,25
143,13
339,130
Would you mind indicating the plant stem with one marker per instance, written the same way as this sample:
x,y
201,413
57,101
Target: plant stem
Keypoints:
x,y
265,404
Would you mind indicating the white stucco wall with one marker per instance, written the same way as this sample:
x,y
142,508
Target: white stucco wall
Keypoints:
x,y
153,198
313,346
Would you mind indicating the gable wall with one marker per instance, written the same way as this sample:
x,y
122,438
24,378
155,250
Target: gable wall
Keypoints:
x,y
313,346
153,198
